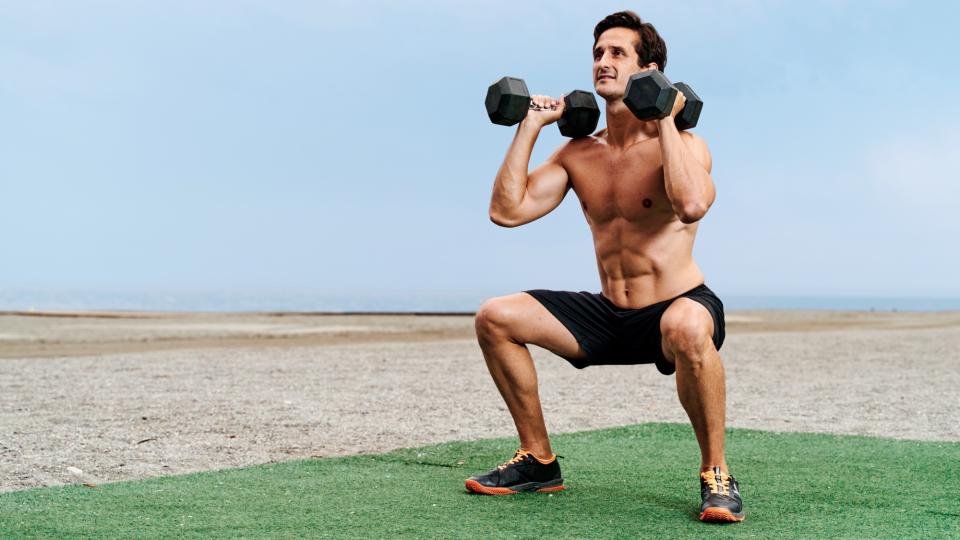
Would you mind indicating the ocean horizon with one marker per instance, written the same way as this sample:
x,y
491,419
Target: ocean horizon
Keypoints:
x,y
428,301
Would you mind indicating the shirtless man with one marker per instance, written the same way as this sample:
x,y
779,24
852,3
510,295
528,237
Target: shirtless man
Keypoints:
x,y
643,186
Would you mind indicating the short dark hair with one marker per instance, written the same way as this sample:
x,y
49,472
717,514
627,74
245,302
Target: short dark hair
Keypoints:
x,y
650,47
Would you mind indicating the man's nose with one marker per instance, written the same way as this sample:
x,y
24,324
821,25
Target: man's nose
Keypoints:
x,y
604,61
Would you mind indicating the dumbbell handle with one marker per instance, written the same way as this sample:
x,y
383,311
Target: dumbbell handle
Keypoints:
x,y
505,100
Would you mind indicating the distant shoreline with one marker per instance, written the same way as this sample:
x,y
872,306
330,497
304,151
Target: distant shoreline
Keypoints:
x,y
28,301
145,314
133,314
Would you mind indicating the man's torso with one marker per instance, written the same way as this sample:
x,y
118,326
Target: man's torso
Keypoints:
x,y
644,252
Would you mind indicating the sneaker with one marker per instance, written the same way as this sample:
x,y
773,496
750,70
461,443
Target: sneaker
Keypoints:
x,y
720,497
525,472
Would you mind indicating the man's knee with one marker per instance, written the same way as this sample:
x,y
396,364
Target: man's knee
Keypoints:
x,y
495,317
687,331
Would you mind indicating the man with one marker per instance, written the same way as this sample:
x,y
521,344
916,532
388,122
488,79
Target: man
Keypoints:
x,y
643,187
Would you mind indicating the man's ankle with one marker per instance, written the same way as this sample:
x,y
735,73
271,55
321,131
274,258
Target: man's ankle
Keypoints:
x,y
543,455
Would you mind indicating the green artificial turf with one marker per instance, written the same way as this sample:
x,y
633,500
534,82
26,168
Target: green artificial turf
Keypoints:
x,y
631,482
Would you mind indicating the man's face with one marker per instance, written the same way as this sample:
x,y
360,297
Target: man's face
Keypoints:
x,y
614,60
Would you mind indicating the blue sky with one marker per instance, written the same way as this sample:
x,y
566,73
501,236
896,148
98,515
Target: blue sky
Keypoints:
x,y
343,146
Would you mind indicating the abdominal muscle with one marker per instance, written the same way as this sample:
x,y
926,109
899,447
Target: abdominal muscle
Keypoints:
x,y
641,267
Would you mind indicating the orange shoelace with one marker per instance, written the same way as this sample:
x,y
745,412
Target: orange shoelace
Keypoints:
x,y
717,481
517,458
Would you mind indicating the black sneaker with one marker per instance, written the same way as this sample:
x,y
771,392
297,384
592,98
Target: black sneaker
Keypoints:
x,y
524,472
720,497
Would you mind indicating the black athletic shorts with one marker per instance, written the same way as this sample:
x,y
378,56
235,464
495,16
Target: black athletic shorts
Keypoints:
x,y
615,335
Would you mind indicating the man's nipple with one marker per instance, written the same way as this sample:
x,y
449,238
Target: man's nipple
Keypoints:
x,y
647,203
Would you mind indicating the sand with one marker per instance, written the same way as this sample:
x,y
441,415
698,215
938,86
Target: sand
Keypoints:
x,y
100,397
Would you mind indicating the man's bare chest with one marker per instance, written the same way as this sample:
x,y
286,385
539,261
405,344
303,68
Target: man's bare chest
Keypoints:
x,y
626,184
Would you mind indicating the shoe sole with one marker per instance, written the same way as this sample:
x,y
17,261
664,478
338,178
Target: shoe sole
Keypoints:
x,y
720,515
477,487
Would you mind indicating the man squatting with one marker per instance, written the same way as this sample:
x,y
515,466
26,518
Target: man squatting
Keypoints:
x,y
643,186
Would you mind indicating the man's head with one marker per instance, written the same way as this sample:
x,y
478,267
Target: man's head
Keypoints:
x,y
623,45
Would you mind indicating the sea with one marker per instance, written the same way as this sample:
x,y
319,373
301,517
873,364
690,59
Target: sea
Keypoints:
x,y
363,301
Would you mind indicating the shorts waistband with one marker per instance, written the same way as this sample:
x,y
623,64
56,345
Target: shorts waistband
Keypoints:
x,y
702,286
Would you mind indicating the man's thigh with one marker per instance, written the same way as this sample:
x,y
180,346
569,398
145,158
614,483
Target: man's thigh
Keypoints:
x,y
525,320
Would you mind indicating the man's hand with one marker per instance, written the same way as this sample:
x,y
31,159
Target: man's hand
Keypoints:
x,y
678,104
547,111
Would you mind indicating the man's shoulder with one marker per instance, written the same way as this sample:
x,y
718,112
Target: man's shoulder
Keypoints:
x,y
576,147
693,138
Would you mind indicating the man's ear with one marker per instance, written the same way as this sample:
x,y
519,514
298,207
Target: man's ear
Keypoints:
x,y
652,65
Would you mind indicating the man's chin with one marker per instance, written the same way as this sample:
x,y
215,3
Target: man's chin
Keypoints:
x,y
609,94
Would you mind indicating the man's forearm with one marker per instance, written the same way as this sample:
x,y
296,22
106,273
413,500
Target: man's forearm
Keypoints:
x,y
687,182
511,182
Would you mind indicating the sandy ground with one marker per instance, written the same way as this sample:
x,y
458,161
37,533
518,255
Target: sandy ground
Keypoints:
x,y
115,396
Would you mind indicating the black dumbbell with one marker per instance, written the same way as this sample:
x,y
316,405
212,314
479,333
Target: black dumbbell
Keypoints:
x,y
650,96
508,102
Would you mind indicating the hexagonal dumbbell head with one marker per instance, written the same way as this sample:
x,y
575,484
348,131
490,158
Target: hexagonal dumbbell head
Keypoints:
x,y
688,117
508,101
649,95
580,114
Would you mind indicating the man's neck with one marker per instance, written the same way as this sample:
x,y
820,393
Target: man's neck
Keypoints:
x,y
624,129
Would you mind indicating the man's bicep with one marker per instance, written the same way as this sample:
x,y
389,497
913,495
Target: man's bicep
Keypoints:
x,y
547,185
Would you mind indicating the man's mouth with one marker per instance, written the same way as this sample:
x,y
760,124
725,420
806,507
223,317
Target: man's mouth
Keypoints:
x,y
605,76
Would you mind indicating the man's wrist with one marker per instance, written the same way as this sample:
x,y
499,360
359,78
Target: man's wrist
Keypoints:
x,y
666,124
531,125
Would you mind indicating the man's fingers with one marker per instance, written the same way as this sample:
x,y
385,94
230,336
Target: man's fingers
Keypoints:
x,y
544,102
